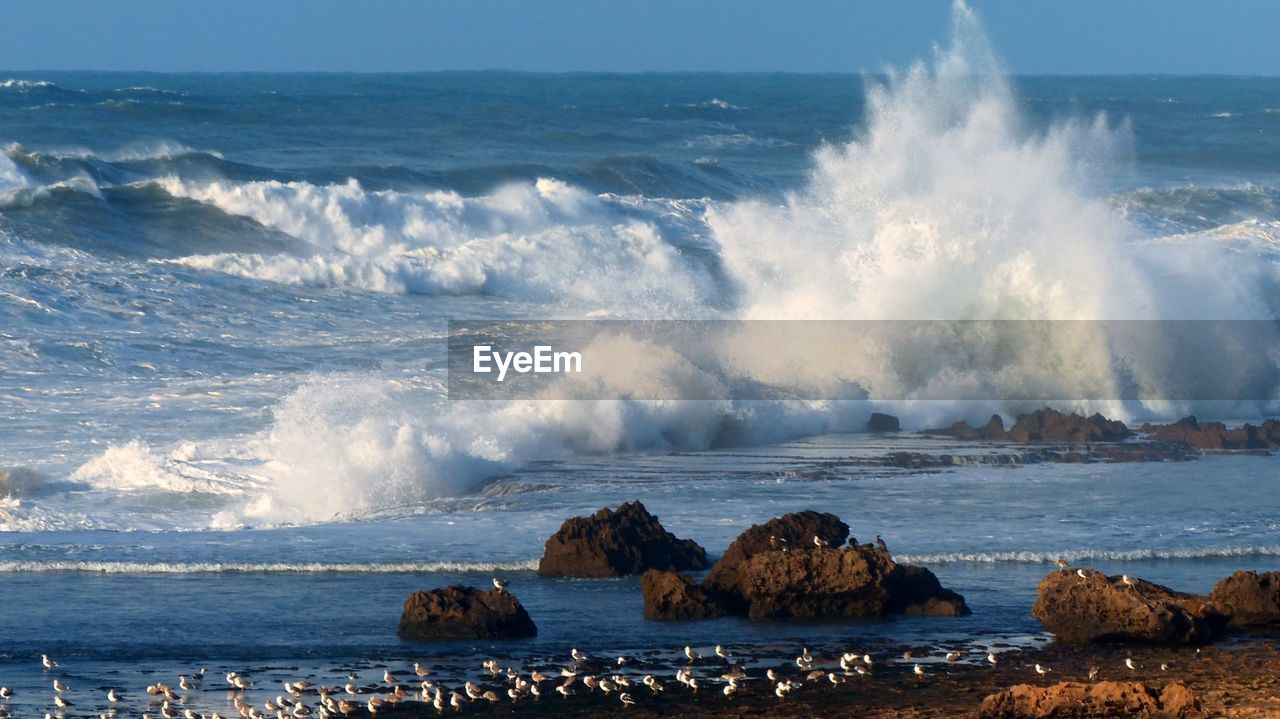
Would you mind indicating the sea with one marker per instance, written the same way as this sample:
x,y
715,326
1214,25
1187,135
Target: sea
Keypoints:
x,y
225,435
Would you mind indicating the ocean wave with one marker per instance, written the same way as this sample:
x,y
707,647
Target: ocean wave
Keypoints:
x,y
108,567
1087,555
545,241
17,84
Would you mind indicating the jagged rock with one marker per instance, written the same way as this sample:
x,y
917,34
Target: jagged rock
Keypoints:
x,y
1049,425
1253,598
840,583
668,595
992,431
1102,608
617,543
1215,435
796,529
881,423
1075,700
458,612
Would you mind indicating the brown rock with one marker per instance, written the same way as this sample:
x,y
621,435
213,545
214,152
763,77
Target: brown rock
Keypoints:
x,y
881,423
1102,608
1049,425
1215,435
795,530
668,595
1252,598
617,543
458,612
847,583
1074,700
992,431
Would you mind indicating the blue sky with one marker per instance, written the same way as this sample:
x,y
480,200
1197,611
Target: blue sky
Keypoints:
x,y
1033,36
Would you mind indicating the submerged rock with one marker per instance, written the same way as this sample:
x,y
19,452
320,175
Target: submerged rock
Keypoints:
x,y
1075,700
459,612
1101,608
615,543
1252,598
668,595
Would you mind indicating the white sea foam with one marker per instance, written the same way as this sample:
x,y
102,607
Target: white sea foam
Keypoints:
x,y
544,241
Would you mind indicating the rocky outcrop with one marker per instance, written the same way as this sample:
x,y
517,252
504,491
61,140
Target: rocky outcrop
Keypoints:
x,y
992,431
1101,608
615,543
840,583
1252,598
668,595
1216,435
458,612
1074,700
1045,425
1050,425
794,530
880,423
775,570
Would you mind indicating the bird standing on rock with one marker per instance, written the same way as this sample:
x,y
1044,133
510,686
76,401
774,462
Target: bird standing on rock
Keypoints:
x,y
1062,564
500,584
820,542
880,543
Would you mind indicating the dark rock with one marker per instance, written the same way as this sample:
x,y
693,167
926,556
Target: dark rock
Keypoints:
x,y
794,530
992,431
1099,700
848,583
881,423
458,612
1049,425
617,543
1216,435
668,595
1101,608
1253,598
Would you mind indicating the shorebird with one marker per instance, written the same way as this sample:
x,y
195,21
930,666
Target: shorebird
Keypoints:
x,y
577,655
1093,673
919,670
1128,581
692,655
720,652
804,654
906,656
5,693
537,676
772,675
59,687
861,672
59,702
420,670
626,700
820,542
1081,573
880,543
652,682
622,661
1164,667
1128,662
1062,564
991,657
388,677
866,659
47,662
500,584
564,691
1041,670
777,543
953,656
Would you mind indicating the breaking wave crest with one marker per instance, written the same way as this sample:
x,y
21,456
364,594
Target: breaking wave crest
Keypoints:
x,y
1088,555
89,567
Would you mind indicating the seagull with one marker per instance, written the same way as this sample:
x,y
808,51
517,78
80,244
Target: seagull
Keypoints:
x,y
1093,673
564,691
1081,573
5,692
820,542
918,670
60,702
693,656
1063,564
626,699
622,661
577,655
420,670
804,654
1164,667
991,657
1128,581
880,543
1128,662
500,584
47,662
866,659
1042,670
776,542
906,656
720,652
388,677
59,687
953,656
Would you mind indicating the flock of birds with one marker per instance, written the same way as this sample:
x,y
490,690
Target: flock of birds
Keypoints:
x,y
302,699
